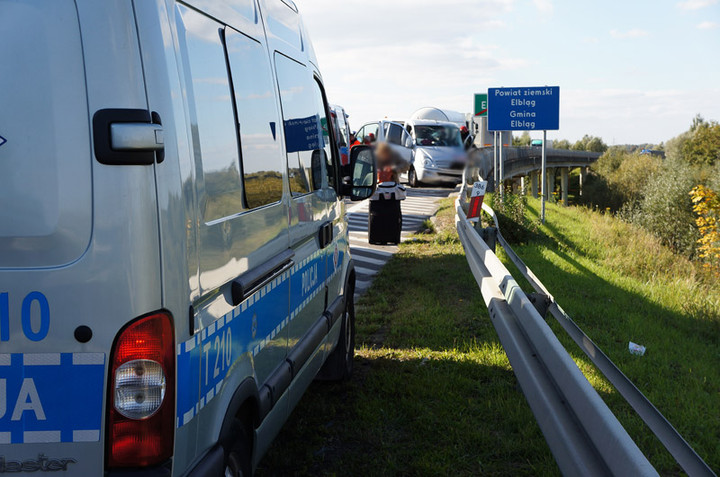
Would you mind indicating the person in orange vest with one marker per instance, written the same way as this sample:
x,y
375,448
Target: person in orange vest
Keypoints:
x,y
354,140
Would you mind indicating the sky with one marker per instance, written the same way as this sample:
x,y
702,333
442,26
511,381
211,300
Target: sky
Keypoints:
x,y
631,72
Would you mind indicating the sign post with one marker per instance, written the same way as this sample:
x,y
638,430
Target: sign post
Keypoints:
x,y
501,166
495,161
525,109
476,199
543,179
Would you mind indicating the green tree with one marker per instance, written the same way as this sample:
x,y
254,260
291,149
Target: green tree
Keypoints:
x,y
596,144
561,144
579,144
703,147
523,140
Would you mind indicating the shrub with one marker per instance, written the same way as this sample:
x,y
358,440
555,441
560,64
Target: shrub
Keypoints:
x,y
514,224
665,208
707,207
620,177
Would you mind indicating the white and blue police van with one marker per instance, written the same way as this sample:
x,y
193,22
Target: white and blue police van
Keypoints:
x,y
174,264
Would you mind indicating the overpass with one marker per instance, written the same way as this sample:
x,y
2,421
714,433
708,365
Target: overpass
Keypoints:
x,y
520,162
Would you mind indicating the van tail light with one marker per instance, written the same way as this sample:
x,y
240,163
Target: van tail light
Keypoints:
x,y
141,398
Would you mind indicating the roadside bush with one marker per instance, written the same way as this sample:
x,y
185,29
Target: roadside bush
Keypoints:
x,y
618,177
665,208
515,226
707,207
599,194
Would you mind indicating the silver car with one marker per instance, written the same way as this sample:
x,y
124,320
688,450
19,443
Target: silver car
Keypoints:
x,y
438,154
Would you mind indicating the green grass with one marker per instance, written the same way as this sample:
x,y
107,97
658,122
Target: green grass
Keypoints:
x,y
619,284
433,392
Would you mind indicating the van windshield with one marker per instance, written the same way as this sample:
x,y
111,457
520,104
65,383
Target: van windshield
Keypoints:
x,y
443,136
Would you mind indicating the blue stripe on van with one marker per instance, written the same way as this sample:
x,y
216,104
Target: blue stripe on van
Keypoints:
x,y
205,359
51,397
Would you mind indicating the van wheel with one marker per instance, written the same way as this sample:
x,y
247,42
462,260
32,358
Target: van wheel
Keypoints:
x,y
412,178
339,365
238,453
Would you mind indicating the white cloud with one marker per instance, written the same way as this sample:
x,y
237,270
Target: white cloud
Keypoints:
x,y
544,6
634,33
381,58
695,4
707,25
591,40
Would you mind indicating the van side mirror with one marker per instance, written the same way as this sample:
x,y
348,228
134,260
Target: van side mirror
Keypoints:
x,y
361,179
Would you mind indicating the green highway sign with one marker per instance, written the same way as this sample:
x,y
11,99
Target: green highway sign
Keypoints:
x,y
481,104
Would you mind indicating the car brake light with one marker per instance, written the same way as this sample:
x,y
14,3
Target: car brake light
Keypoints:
x,y
141,401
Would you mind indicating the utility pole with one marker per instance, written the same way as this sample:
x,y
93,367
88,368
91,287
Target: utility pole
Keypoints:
x,y
543,178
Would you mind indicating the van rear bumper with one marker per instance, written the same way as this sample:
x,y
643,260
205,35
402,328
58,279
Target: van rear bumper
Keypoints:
x,y
163,470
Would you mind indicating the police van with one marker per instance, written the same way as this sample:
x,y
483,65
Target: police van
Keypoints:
x,y
174,264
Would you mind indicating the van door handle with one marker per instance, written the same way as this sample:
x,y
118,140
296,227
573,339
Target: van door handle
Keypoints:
x,y
136,137
128,137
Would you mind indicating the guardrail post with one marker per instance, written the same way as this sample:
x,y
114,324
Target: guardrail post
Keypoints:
x,y
488,234
541,302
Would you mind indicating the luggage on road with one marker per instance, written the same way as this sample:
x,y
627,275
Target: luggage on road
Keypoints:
x,y
384,221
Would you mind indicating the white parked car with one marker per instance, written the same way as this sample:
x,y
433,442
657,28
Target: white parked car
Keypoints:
x,y
387,131
438,155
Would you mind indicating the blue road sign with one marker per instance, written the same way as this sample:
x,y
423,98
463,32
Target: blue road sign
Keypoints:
x,y
524,109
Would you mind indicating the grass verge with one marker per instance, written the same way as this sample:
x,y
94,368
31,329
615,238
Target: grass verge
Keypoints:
x,y
433,392
619,284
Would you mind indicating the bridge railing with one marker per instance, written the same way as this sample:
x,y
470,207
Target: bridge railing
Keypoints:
x,y
521,160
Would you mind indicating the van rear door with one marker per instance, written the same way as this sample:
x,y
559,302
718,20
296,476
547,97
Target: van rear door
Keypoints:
x,y
78,239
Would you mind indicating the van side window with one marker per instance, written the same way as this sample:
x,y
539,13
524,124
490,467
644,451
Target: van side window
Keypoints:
x,y
395,134
262,161
211,114
306,143
325,125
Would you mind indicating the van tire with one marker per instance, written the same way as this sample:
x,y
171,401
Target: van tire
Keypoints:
x,y
412,178
339,365
238,452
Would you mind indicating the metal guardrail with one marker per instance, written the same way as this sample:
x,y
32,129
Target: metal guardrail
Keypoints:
x,y
581,431
678,447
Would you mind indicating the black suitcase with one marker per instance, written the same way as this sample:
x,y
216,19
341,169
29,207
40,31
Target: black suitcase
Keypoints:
x,y
384,221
